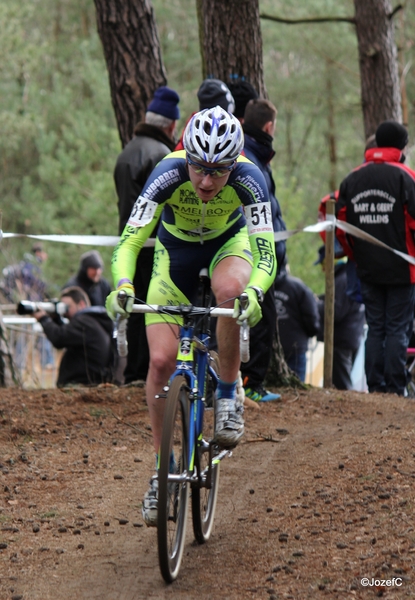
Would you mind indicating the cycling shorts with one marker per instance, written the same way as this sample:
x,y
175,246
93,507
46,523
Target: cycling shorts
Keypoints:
x,y
177,264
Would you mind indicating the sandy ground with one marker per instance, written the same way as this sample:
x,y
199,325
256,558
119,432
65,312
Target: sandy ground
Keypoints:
x,y
318,496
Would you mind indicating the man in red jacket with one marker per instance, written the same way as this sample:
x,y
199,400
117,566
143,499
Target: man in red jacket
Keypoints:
x,y
378,197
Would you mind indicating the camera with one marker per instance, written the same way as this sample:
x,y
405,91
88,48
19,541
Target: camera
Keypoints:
x,y
53,307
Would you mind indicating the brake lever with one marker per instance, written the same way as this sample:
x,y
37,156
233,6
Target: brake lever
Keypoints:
x,y
122,298
244,330
120,327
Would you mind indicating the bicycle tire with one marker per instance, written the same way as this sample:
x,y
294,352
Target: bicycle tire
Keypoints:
x,y
204,499
173,497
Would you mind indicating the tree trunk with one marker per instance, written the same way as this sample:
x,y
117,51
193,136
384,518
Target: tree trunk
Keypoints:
x,y
279,373
381,97
331,127
231,41
132,52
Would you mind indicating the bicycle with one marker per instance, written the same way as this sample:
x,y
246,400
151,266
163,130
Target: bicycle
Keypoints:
x,y
189,457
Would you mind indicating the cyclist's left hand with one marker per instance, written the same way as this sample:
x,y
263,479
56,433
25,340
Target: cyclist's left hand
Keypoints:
x,y
252,312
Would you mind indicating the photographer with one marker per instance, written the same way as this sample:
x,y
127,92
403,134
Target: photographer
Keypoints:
x,y
87,339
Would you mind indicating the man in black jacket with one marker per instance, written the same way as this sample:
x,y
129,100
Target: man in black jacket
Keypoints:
x,y
87,339
153,139
378,197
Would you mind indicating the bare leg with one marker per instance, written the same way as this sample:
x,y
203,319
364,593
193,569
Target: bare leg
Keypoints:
x,y
162,342
229,279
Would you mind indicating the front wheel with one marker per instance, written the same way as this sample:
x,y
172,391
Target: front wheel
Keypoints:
x,y
173,495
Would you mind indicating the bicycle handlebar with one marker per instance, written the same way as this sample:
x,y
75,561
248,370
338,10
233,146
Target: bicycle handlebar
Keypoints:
x,y
120,329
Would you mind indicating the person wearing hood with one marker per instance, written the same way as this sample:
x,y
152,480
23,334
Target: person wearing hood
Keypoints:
x,y
378,197
86,338
89,278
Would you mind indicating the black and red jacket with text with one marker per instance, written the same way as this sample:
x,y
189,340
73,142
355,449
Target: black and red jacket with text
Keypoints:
x,y
378,197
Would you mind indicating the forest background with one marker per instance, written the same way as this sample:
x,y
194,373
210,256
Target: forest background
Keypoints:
x,y
59,139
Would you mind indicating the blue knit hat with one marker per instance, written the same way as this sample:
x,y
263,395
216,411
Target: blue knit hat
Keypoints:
x,y
164,102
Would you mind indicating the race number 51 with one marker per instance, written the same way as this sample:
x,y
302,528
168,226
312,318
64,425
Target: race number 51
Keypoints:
x,y
142,212
259,217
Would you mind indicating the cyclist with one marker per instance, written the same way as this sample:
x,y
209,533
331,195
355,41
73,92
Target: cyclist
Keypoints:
x,y
199,193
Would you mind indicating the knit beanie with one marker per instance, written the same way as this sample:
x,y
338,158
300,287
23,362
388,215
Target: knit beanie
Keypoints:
x,y
391,134
242,92
213,92
164,102
91,259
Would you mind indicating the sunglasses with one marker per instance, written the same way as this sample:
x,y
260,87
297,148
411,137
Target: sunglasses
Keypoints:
x,y
214,173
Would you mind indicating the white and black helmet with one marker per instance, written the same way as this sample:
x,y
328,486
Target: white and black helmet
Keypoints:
x,y
213,135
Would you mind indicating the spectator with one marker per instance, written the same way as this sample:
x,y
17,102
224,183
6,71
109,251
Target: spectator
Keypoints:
x,y
87,340
33,284
25,281
378,197
259,127
349,320
211,93
89,278
242,92
298,319
214,92
153,139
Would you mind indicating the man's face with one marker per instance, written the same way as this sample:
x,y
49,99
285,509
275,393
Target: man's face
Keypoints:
x,y
208,178
94,274
41,256
72,306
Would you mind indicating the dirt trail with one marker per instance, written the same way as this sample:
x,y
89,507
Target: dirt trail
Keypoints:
x,y
319,495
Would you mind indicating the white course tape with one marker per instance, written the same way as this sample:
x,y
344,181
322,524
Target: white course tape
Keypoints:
x,y
89,240
348,228
112,240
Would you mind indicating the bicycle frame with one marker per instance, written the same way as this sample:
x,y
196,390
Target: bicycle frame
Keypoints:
x,y
189,349
195,352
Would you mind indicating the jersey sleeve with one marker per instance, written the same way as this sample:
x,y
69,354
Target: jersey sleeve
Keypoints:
x,y
265,263
124,258
250,185
145,215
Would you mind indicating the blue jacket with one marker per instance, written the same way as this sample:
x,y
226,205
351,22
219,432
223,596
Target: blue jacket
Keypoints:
x,y
261,155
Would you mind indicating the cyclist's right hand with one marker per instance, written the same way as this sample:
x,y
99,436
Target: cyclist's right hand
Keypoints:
x,y
252,312
115,307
